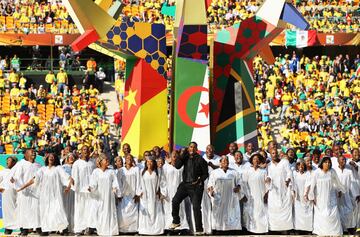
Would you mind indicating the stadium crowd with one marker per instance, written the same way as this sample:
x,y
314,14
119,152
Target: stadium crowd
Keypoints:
x,y
35,16
317,100
323,16
51,116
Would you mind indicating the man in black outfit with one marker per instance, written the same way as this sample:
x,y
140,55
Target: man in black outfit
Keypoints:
x,y
194,174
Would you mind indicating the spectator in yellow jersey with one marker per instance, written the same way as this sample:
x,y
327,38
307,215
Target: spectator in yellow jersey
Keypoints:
x,y
49,79
62,80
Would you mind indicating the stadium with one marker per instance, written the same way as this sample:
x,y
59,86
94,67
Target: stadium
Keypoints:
x,y
179,117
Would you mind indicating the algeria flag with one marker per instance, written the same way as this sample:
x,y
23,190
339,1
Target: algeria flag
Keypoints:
x,y
300,38
191,112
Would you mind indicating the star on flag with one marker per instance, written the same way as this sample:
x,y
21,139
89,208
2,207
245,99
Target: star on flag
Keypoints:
x,y
204,109
131,98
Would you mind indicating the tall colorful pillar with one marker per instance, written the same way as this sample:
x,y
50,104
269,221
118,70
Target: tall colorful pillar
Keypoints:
x,y
233,102
191,80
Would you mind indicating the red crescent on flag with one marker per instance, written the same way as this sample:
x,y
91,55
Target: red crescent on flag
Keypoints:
x,y
182,103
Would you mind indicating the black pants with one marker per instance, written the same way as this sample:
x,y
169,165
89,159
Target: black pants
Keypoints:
x,y
195,192
100,85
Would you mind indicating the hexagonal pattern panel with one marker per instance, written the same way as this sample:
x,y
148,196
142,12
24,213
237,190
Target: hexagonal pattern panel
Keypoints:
x,y
143,40
193,42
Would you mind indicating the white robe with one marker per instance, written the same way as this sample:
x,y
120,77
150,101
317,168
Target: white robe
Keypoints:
x,y
8,200
51,187
231,159
127,209
303,210
226,214
323,189
206,208
81,173
280,200
69,201
247,157
103,184
347,202
173,178
255,209
151,213
356,210
243,167
27,209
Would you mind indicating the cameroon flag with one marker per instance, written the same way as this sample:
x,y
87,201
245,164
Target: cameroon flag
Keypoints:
x,y
145,120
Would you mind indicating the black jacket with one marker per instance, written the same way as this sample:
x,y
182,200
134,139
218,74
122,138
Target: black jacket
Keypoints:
x,y
200,169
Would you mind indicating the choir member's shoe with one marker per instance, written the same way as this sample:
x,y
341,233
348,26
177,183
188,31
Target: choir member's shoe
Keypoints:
x,y
7,231
174,226
44,234
199,233
38,231
91,231
65,232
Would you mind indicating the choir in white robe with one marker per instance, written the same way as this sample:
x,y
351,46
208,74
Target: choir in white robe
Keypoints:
x,y
51,183
226,214
27,209
303,210
280,197
128,210
347,201
206,201
324,189
81,173
151,213
173,178
255,209
104,187
69,200
8,200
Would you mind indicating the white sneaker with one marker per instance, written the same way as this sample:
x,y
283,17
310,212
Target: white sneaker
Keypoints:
x,y
174,226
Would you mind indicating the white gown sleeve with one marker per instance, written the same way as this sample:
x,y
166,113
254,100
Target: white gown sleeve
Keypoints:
x,y
336,182
65,178
75,176
93,181
119,177
37,177
354,187
312,189
138,189
115,184
15,174
238,182
163,185
269,186
212,179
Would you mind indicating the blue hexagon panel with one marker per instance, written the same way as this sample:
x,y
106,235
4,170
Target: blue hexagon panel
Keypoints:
x,y
193,42
144,40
